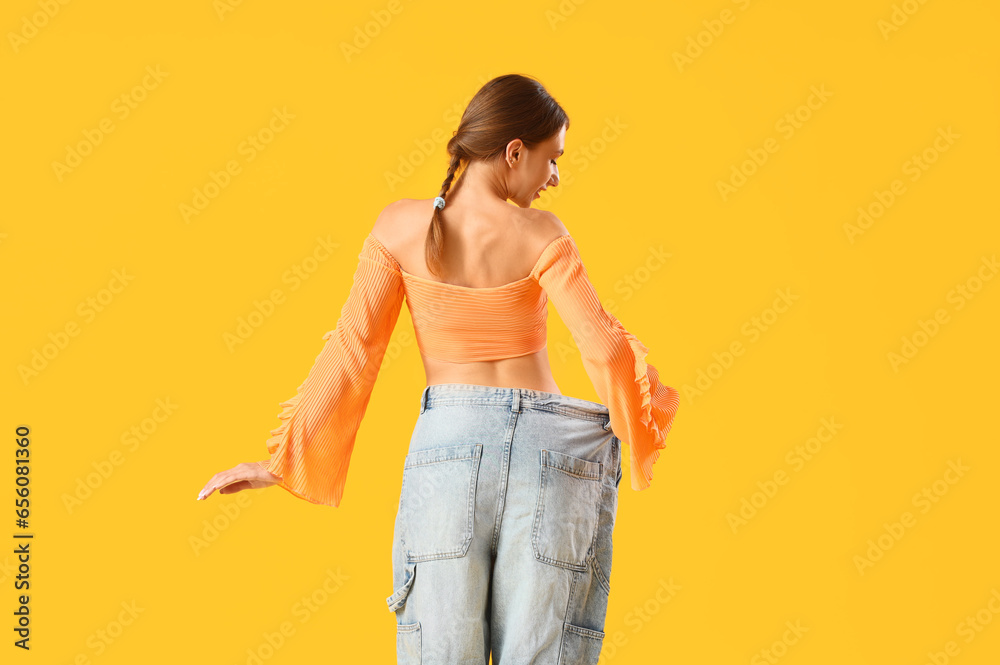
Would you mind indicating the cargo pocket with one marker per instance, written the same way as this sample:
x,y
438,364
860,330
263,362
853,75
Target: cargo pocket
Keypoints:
x,y
438,501
580,646
566,509
408,643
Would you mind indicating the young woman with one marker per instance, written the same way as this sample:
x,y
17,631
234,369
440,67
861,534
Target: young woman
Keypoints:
x,y
503,533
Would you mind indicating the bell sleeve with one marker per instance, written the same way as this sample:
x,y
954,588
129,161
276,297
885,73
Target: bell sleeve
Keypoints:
x,y
642,409
311,449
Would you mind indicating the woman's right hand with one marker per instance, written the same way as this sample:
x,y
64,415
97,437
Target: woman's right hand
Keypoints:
x,y
245,475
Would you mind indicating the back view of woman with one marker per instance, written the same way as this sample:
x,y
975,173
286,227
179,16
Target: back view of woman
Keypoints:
x,y
503,533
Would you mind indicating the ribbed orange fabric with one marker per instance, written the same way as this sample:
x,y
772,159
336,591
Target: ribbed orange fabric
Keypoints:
x,y
462,324
311,449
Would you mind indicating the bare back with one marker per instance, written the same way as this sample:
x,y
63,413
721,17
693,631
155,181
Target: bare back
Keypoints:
x,y
487,248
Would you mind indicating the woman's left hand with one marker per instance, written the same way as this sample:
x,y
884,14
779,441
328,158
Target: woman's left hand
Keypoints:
x,y
245,475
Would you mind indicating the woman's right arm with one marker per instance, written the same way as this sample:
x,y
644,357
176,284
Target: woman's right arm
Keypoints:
x,y
311,449
642,408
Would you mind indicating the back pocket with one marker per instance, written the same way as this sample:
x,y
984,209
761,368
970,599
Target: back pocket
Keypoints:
x,y
566,509
438,501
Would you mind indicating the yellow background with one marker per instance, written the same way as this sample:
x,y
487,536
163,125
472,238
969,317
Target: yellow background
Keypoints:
x,y
651,183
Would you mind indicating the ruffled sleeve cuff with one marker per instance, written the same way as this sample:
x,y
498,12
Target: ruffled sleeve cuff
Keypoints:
x,y
282,460
657,408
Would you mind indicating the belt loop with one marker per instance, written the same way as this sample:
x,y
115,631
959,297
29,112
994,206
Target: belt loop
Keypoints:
x,y
423,398
515,405
607,425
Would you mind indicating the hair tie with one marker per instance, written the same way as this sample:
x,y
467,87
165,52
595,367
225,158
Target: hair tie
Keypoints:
x,y
438,202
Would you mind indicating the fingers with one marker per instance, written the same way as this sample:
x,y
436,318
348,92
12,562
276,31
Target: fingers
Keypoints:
x,y
218,481
238,478
206,491
236,487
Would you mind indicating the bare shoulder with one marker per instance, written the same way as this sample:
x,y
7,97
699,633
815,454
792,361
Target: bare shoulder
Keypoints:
x,y
546,226
390,226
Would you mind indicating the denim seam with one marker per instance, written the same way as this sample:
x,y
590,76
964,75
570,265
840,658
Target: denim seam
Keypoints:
x,y
614,464
504,473
447,454
599,574
502,394
473,485
566,621
525,405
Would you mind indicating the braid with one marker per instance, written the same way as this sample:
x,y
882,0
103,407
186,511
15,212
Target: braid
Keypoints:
x,y
434,245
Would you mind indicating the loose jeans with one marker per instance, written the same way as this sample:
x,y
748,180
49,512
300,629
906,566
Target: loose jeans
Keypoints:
x,y
502,539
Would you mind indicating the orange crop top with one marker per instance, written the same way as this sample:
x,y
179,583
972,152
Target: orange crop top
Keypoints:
x,y
311,449
462,324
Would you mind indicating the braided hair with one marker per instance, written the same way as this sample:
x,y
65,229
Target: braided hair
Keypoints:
x,y
508,107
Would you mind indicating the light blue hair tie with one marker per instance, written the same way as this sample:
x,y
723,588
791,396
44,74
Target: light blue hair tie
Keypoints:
x,y
438,202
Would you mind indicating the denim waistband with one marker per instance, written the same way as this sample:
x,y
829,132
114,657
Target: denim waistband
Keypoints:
x,y
516,398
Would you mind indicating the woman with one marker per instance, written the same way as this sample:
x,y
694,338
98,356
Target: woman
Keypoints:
x,y
503,533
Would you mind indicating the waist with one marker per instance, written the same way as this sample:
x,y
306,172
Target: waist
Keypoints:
x,y
527,371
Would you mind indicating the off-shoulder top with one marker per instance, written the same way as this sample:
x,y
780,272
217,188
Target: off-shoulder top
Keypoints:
x,y
311,449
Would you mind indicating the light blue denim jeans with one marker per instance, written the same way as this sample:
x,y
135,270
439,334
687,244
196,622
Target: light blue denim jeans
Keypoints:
x,y
502,539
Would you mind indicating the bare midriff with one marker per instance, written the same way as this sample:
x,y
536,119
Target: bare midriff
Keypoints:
x,y
530,371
